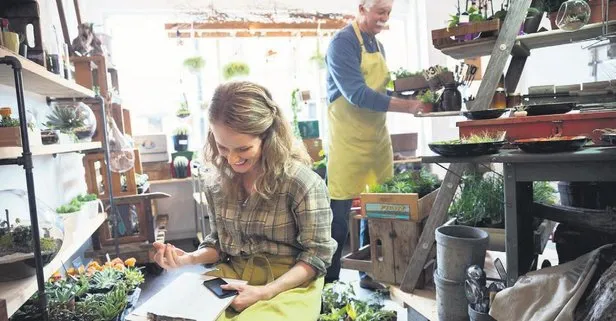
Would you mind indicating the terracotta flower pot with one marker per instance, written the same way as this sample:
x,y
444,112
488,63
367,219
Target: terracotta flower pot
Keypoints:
x,y
596,12
427,108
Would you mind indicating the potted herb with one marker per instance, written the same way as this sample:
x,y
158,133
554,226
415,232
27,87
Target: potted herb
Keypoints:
x,y
180,138
235,69
403,80
194,64
9,129
429,99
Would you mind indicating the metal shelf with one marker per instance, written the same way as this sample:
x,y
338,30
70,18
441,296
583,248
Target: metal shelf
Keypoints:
x,y
14,152
18,292
37,79
531,41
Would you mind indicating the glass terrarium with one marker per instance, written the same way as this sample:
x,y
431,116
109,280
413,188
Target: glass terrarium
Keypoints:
x,y
16,243
75,117
573,15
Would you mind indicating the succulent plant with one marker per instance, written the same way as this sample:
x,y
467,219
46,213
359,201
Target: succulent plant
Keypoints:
x,y
65,118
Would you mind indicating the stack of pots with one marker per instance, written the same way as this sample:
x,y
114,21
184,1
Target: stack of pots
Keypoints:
x,y
457,247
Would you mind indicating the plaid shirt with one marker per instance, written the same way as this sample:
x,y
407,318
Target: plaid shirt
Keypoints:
x,y
297,223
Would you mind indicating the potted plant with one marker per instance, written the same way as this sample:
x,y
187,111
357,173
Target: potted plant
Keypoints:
x,y
194,64
180,167
180,138
533,20
183,111
235,69
429,99
67,120
340,303
9,129
404,80
320,166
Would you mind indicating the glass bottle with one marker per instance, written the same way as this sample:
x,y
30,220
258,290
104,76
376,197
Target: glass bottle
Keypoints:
x,y
452,98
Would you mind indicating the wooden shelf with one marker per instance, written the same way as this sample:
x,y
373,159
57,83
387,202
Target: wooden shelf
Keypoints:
x,y
18,292
440,114
531,41
37,79
171,180
14,152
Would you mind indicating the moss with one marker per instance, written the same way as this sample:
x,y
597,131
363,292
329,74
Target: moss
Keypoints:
x,y
48,244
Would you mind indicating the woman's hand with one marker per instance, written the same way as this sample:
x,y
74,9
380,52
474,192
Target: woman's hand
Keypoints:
x,y
248,295
169,257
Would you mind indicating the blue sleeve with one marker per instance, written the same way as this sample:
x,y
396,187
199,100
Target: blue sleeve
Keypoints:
x,y
343,64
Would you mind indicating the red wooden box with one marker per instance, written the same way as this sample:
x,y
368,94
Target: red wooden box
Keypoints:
x,y
570,124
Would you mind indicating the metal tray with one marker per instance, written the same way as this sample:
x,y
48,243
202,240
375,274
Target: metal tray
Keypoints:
x,y
484,114
549,109
458,150
562,144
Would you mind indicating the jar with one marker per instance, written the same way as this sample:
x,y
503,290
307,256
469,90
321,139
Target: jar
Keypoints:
x,y
499,101
451,98
514,100
573,15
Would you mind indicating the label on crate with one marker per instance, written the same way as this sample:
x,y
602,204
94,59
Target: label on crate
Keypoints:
x,y
391,211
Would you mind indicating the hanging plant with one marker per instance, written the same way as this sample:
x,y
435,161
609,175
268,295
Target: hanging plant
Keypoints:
x,y
183,111
194,64
318,58
295,109
235,69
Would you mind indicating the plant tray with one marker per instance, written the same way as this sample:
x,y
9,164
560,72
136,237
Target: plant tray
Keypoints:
x,y
451,37
10,137
410,83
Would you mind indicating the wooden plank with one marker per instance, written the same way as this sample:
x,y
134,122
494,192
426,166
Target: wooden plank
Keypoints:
x,y
500,53
440,114
14,152
406,235
382,255
596,220
358,260
326,24
422,301
3,313
437,217
37,79
15,293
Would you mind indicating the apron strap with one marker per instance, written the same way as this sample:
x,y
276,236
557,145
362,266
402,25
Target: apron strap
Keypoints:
x,y
358,35
250,267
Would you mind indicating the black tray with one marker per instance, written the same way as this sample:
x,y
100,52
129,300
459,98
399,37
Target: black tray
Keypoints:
x,y
609,138
457,150
549,109
484,114
563,144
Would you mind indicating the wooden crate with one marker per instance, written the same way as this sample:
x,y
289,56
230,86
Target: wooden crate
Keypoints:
x,y
396,206
314,147
157,171
442,38
571,124
10,136
96,176
393,242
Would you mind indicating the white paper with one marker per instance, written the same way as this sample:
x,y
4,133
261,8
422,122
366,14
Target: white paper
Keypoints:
x,y
185,297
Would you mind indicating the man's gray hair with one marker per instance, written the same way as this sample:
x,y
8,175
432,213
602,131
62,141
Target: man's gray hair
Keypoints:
x,y
369,3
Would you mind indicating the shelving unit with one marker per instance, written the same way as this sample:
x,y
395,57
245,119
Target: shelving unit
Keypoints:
x,y
24,75
508,45
18,292
530,41
14,152
37,79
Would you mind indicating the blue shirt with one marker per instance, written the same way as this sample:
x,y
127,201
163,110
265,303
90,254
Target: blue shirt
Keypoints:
x,y
344,77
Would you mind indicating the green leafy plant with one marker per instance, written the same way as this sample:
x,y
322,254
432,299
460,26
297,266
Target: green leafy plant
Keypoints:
x,y
105,280
322,163
427,97
234,69
421,182
133,278
183,111
194,64
65,118
340,304
473,16
87,198
181,131
480,200
9,122
295,109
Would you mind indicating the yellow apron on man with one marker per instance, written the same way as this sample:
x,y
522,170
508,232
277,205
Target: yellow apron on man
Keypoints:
x,y
301,303
360,151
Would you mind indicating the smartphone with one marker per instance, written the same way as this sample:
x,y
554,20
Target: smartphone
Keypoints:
x,y
214,286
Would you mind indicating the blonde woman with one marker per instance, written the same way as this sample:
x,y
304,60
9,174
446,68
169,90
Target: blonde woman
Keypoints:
x,y
270,216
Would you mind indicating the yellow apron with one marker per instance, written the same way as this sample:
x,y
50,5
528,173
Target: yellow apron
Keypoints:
x,y
302,303
360,151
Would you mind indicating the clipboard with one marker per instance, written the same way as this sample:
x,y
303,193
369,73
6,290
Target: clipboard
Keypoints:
x,y
184,299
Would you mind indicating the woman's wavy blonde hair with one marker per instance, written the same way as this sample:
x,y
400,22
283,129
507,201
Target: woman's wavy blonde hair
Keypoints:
x,y
248,108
